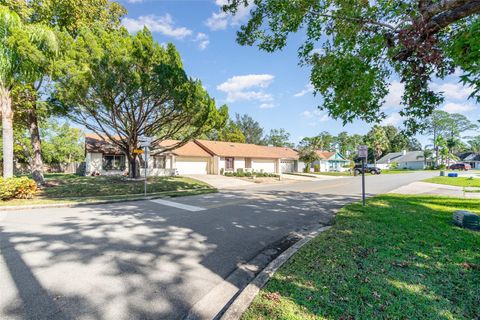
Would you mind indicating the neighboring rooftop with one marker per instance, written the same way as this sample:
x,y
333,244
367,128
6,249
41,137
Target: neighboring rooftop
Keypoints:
x,y
402,156
233,149
469,156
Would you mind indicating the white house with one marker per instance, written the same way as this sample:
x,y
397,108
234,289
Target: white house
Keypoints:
x,y
195,157
413,160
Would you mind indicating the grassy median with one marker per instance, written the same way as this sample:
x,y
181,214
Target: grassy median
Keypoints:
x,y
62,188
398,258
458,181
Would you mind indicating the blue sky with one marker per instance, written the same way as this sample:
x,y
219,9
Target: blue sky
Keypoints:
x,y
271,87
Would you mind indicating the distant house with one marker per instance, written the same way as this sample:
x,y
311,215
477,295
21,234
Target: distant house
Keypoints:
x,y
330,161
413,160
195,157
472,158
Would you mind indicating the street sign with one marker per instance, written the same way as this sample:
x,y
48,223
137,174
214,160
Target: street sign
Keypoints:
x,y
362,151
138,151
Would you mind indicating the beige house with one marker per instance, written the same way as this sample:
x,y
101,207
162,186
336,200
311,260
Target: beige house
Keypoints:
x,y
195,157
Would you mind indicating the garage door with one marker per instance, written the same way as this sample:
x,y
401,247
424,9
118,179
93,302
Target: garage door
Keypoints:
x,y
191,165
263,165
288,166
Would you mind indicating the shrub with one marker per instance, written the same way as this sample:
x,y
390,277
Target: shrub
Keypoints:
x,y
222,171
307,168
19,188
442,166
394,165
316,168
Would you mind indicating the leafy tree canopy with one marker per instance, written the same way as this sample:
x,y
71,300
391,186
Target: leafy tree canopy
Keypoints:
x,y
124,86
279,138
252,130
355,47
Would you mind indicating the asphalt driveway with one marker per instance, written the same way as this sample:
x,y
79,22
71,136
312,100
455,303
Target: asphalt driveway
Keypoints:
x,y
156,259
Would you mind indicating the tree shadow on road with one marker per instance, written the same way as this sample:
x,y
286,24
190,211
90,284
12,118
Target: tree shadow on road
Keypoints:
x,y
141,260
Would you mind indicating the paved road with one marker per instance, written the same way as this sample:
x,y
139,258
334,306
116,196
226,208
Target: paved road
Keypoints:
x,y
156,260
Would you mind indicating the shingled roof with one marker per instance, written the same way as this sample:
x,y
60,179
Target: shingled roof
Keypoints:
x,y
246,150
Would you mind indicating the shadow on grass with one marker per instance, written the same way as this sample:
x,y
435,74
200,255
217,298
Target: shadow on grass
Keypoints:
x,y
400,257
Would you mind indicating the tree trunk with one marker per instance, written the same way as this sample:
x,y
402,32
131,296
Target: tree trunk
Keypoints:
x,y
132,166
37,162
7,133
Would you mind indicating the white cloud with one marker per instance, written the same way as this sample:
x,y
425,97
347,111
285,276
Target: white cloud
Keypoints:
x,y
452,107
393,119
394,96
220,20
453,91
317,115
307,89
217,21
162,24
134,1
266,106
247,87
202,40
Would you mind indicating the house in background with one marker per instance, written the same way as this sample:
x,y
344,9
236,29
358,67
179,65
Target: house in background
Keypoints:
x,y
413,160
330,162
195,157
472,158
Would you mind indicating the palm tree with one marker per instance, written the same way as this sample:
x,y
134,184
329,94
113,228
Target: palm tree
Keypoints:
x,y
26,51
377,140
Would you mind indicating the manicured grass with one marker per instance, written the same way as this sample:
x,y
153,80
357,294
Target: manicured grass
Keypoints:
x,y
63,188
398,258
459,181
394,171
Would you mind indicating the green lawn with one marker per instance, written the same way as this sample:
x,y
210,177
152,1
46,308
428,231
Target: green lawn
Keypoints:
x,y
459,181
73,188
398,258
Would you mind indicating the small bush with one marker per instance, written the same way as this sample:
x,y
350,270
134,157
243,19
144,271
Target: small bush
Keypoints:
x,y
394,165
316,168
442,166
306,169
17,188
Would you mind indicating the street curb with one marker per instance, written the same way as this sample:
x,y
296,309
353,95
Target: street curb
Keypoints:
x,y
243,300
91,203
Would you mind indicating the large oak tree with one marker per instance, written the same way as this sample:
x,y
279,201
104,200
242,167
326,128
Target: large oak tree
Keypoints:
x,y
354,47
124,86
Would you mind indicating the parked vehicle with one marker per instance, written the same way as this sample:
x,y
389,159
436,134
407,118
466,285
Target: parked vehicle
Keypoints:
x,y
372,170
460,166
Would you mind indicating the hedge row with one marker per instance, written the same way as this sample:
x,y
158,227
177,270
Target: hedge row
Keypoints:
x,y
17,188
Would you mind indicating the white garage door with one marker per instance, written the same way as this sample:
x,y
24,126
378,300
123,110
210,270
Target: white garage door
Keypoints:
x,y
262,165
288,166
191,165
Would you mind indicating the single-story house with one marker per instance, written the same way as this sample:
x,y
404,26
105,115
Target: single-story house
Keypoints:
x,y
195,157
472,158
413,160
330,161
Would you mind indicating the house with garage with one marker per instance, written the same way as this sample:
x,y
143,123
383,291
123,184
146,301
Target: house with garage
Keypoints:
x,y
413,160
195,157
472,158
330,162
231,156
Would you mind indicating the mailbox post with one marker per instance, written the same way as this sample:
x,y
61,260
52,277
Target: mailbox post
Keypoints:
x,y
362,151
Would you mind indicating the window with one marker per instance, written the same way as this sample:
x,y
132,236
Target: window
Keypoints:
x,y
113,162
159,162
228,163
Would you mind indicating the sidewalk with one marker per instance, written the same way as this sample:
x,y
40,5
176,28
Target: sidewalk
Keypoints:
x,y
435,189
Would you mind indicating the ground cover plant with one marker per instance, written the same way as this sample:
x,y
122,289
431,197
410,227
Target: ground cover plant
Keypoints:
x,y
400,257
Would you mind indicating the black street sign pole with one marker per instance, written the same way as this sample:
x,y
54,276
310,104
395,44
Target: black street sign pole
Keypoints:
x,y
363,181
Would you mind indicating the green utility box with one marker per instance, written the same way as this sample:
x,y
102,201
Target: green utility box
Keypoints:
x,y
466,219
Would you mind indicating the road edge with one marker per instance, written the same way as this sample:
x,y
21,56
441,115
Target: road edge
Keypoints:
x,y
157,195
243,300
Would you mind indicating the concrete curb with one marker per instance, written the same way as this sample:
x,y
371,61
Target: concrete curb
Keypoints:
x,y
246,296
86,203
